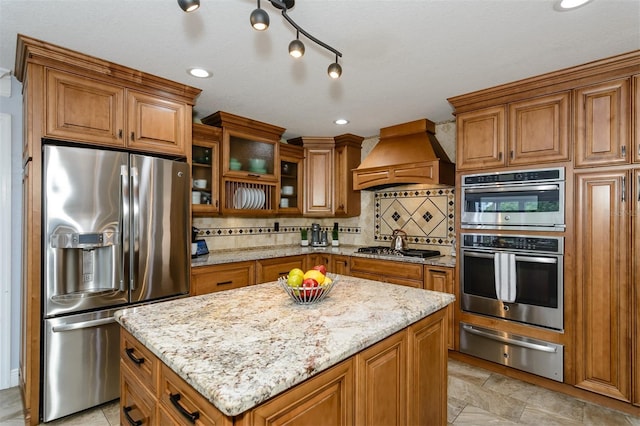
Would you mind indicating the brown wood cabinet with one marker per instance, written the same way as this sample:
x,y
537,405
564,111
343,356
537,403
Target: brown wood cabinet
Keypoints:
x,y
389,271
271,269
346,158
603,124
84,109
291,175
225,276
635,280
603,291
537,129
340,264
205,165
636,118
73,97
440,278
398,381
314,259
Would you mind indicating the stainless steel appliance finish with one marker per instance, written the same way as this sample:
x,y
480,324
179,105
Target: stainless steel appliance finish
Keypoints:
x,y
116,232
519,200
524,353
387,251
81,368
514,277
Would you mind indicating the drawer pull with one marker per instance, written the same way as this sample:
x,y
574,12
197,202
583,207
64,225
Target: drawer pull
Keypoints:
x,y
132,422
132,357
225,282
192,417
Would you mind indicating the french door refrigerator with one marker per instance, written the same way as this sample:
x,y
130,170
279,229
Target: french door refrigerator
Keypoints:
x,y
116,232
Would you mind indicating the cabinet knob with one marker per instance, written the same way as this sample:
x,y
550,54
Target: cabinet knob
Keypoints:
x,y
132,136
120,134
623,150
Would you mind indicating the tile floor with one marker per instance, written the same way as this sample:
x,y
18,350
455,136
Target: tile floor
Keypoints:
x,y
476,397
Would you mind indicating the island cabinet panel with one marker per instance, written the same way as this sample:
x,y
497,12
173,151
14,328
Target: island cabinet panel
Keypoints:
x,y
389,271
427,371
603,291
439,278
225,276
139,361
603,124
381,394
184,406
271,269
325,399
137,404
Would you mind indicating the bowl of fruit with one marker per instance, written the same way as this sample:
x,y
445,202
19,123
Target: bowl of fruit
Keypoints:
x,y
308,287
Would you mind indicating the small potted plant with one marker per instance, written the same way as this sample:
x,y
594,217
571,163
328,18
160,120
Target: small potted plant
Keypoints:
x,y
303,237
334,237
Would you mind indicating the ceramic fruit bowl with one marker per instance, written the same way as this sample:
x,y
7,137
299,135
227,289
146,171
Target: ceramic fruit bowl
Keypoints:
x,y
305,295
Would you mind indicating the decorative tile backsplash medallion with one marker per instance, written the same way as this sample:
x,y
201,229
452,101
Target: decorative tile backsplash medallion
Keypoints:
x,y
237,231
426,215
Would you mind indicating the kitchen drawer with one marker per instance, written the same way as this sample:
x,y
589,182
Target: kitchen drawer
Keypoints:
x,y
271,269
137,404
208,279
140,361
403,273
183,405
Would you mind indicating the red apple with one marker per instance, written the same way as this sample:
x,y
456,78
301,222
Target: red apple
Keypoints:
x,y
321,268
308,289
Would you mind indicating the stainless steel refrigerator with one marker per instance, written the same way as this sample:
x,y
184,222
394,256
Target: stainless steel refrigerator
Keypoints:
x,y
116,232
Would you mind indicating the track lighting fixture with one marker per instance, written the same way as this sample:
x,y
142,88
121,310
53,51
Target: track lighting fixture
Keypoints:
x,y
189,5
260,21
296,47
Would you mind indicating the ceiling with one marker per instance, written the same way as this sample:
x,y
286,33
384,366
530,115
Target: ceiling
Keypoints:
x,y
401,59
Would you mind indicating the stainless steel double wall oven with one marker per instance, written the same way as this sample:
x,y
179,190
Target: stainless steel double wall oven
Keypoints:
x,y
515,276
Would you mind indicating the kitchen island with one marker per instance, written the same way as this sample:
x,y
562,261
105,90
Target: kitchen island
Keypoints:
x,y
370,352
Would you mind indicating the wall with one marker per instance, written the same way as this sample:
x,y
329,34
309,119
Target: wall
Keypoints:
x,y
415,202
12,105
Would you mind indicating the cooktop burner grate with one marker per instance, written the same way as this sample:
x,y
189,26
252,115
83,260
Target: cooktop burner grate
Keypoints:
x,y
388,251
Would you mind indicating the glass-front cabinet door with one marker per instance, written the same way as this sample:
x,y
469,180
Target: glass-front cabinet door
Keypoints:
x,y
291,172
248,157
205,170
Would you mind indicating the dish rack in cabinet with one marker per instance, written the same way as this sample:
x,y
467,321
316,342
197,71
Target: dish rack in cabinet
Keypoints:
x,y
241,197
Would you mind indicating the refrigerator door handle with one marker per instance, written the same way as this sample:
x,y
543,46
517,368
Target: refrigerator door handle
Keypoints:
x,y
124,221
135,227
83,324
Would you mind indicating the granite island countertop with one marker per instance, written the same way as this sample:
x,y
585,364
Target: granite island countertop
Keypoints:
x,y
216,257
241,347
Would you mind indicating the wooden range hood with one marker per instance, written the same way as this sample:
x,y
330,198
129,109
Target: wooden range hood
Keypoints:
x,y
406,153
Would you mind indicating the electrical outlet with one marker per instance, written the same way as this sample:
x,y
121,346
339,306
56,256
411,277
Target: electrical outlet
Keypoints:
x,y
276,226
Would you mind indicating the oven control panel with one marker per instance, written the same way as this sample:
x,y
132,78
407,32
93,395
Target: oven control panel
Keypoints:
x,y
520,176
514,242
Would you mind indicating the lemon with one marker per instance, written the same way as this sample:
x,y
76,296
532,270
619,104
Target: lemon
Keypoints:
x,y
327,281
316,275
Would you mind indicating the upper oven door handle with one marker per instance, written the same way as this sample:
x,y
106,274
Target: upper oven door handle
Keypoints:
x,y
513,188
478,254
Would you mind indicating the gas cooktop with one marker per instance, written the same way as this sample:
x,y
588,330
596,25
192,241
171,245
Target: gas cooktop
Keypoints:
x,y
388,251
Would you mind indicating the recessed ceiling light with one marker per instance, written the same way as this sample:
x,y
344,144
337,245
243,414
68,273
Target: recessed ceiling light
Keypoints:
x,y
571,4
199,72
341,121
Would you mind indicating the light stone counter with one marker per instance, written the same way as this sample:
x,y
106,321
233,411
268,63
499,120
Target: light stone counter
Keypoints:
x,y
228,256
240,347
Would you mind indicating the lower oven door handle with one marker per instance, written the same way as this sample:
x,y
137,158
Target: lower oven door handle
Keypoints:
x,y
535,259
83,324
508,340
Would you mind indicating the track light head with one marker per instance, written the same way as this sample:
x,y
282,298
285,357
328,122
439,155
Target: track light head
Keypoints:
x,y
189,5
259,19
335,70
296,47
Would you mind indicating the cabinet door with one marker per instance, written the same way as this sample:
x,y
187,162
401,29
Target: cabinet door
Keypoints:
x,y
81,109
427,371
318,193
325,399
481,139
318,259
347,201
156,124
602,124
271,269
208,279
539,130
402,273
205,152
603,329
381,377
441,279
635,255
291,179
340,264
137,404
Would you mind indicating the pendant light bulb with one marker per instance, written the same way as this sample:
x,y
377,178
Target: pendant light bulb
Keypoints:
x,y
259,19
335,70
296,47
189,5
